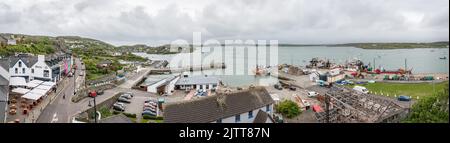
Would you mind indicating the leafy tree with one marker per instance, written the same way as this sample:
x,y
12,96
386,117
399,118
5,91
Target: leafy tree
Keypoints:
x,y
432,109
288,108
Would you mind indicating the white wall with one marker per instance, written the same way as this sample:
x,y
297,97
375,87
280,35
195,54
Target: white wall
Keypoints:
x,y
39,68
12,70
244,116
152,88
171,86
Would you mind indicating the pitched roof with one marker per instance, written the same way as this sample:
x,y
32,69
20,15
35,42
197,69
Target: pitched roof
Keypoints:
x,y
261,117
197,80
222,105
28,60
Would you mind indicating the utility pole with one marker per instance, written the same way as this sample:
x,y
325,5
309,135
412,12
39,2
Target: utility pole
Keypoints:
x,y
327,106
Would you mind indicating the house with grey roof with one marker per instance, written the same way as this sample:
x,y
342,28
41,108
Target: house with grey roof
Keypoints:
x,y
41,67
197,82
243,106
21,64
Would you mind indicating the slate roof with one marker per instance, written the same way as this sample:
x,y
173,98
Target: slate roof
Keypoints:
x,y
197,80
223,105
28,60
261,117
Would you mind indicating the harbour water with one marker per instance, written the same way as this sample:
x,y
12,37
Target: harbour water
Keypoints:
x,y
420,60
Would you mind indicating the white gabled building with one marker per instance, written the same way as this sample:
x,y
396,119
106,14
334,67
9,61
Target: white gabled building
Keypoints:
x,y
197,82
20,65
41,70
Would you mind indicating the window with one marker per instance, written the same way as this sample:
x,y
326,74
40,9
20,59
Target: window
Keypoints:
x,y
32,70
219,121
207,86
23,70
20,64
16,70
268,108
46,73
250,114
237,118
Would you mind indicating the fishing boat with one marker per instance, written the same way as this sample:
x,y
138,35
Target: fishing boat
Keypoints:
x,y
443,58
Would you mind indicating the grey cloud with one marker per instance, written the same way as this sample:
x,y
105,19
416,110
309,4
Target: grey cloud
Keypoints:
x,y
289,21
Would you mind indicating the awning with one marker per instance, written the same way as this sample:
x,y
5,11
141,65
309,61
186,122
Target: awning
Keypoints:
x,y
34,83
41,92
17,81
44,87
32,96
48,83
20,90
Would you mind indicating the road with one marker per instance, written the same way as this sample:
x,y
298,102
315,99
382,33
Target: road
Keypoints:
x,y
60,110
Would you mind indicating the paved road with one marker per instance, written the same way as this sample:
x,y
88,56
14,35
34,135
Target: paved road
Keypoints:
x,y
60,110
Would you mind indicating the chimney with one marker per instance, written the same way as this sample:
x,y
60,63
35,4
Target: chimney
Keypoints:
x,y
41,58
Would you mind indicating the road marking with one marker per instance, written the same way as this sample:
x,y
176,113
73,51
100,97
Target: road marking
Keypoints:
x,y
55,118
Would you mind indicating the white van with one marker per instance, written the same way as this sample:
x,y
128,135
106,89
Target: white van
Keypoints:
x,y
361,89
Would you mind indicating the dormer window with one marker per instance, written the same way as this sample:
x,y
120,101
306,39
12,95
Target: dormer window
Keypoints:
x,y
20,64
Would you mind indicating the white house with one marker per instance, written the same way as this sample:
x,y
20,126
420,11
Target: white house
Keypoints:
x,y
163,86
254,105
41,70
20,65
197,82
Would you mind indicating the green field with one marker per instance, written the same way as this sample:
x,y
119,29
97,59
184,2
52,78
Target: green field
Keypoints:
x,y
409,89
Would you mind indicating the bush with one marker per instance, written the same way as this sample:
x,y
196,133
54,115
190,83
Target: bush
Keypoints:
x,y
152,117
129,115
288,108
116,112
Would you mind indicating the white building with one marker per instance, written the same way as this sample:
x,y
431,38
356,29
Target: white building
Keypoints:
x,y
197,82
254,105
41,70
46,68
163,86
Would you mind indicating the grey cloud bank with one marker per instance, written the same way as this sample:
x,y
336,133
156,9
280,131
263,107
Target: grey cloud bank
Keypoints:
x,y
289,21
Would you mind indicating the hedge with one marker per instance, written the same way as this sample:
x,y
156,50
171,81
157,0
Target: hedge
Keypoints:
x,y
148,117
129,115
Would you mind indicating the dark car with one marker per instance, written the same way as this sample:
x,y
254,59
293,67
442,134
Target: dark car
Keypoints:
x,y
123,100
148,112
292,88
404,98
277,86
100,92
119,106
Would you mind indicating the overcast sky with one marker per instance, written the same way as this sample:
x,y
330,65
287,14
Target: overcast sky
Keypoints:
x,y
289,21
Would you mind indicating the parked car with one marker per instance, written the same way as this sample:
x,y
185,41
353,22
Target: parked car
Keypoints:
x,y
130,93
361,89
292,88
127,96
153,101
403,98
150,108
119,106
70,74
100,92
149,105
312,94
124,100
277,86
148,112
